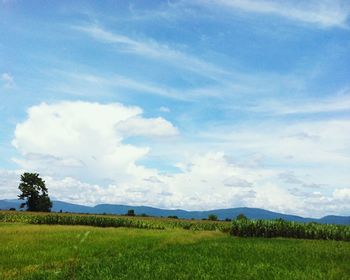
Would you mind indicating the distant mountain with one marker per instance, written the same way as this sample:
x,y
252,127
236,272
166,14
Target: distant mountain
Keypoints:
x,y
251,213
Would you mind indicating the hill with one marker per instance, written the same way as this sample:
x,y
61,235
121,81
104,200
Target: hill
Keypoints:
x,y
251,213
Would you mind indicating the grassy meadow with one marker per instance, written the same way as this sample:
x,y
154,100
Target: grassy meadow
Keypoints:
x,y
30,251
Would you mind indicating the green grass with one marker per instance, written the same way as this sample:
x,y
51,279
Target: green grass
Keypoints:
x,y
82,252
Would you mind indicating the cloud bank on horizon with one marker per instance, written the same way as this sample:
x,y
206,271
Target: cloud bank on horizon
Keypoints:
x,y
194,105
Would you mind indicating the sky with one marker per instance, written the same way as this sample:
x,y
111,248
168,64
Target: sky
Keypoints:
x,y
197,105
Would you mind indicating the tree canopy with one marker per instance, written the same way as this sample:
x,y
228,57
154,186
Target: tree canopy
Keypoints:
x,y
35,192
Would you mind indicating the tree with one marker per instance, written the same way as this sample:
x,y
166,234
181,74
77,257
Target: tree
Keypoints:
x,y
35,192
241,217
212,217
131,212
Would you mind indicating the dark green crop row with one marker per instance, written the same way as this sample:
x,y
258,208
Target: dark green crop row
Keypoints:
x,y
281,228
110,221
86,220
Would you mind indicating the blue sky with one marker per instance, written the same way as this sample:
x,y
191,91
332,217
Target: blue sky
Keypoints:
x,y
178,104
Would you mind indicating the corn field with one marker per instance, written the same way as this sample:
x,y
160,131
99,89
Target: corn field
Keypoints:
x,y
242,228
281,228
111,221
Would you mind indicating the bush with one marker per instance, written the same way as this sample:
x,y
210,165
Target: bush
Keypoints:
x,y
212,217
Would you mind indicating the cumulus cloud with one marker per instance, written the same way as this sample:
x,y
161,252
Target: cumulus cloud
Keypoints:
x,y
86,139
82,151
138,126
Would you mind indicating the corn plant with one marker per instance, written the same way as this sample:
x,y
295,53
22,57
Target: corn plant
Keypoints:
x,y
281,228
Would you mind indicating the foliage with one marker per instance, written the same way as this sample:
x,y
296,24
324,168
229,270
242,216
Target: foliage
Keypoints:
x,y
131,212
281,228
241,217
35,192
173,217
212,217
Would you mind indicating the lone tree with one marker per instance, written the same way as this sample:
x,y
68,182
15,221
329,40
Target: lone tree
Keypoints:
x,y
35,192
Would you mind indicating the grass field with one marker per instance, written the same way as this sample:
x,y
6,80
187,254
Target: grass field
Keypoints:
x,y
82,252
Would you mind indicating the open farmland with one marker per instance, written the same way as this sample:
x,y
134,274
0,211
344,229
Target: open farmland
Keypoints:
x,y
31,251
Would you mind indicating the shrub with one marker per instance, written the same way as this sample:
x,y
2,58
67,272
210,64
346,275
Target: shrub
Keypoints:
x,y
173,217
212,217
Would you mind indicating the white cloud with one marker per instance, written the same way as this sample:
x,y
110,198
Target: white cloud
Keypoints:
x,y
9,181
300,142
201,185
340,102
164,109
324,13
342,194
80,148
137,126
7,79
77,138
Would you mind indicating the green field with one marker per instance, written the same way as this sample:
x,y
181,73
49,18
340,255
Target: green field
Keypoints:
x,y
83,252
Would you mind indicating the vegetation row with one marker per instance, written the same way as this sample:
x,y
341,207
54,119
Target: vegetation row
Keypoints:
x,y
110,221
239,227
282,228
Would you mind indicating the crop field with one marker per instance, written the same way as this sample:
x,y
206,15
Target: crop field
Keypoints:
x,y
83,252
156,248
112,221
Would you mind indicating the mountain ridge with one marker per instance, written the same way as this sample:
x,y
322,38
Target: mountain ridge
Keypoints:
x,y
251,213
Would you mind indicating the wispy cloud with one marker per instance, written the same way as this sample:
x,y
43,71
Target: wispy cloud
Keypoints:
x,y
8,80
152,49
324,13
128,83
164,109
338,103
81,82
